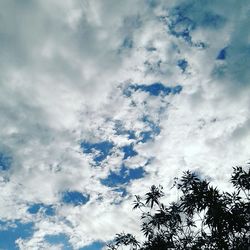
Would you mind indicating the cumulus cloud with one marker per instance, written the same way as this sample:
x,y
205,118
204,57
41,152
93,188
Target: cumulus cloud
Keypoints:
x,y
93,91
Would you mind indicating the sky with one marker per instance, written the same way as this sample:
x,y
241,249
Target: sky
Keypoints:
x,y
100,99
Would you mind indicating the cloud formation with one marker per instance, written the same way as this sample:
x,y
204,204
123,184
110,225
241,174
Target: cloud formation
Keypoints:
x,y
101,99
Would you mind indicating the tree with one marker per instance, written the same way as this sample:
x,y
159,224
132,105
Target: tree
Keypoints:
x,y
202,218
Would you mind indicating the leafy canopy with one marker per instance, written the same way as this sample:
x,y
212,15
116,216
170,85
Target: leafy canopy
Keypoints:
x,y
202,218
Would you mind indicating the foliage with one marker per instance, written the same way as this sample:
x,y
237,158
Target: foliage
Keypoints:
x,y
202,218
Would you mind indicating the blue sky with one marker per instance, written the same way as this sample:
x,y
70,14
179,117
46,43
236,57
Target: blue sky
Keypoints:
x,y
101,99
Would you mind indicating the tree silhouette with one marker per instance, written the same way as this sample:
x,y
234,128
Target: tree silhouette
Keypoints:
x,y
202,218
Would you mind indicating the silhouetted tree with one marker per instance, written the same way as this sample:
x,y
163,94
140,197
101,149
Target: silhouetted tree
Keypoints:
x,y
202,218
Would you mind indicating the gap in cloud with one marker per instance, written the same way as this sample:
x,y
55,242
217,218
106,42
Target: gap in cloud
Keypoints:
x,y
40,207
124,176
222,54
179,24
151,133
10,231
154,89
120,130
5,161
121,190
146,136
129,151
75,198
182,64
102,148
59,239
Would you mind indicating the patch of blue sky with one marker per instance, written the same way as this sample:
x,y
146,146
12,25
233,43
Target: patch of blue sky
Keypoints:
x,y
149,134
129,151
103,148
146,136
185,18
40,207
222,54
124,176
59,239
150,123
154,89
181,25
120,130
177,89
121,190
10,231
5,161
97,245
75,198
182,64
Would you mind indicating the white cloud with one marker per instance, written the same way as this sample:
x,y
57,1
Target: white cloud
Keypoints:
x,y
63,68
